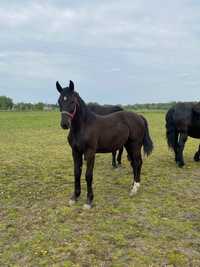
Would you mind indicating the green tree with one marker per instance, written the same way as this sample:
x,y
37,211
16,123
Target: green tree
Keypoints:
x,y
5,103
39,106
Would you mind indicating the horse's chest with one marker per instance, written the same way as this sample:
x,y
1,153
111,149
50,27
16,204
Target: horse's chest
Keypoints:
x,y
76,142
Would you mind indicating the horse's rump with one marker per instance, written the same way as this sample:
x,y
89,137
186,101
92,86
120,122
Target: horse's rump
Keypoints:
x,y
118,128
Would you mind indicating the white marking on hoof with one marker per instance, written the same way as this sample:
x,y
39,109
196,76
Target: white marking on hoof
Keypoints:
x,y
134,189
87,206
72,202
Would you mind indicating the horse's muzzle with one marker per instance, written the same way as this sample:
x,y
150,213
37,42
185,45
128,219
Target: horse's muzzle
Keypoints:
x,y
65,124
65,121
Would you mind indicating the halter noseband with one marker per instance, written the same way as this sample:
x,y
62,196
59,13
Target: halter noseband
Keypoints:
x,y
71,115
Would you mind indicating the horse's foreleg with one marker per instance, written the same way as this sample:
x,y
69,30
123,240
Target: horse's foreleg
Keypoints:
x,y
197,155
119,157
180,148
90,157
78,162
114,164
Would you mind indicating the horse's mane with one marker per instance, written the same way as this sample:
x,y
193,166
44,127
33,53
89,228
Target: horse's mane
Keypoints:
x,y
84,111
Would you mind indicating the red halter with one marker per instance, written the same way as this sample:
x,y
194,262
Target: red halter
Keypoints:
x,y
71,115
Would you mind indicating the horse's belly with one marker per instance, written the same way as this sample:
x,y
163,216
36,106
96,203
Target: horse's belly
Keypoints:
x,y
111,142
107,149
104,150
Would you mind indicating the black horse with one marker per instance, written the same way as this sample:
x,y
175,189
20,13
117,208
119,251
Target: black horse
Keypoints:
x,y
105,110
91,133
182,120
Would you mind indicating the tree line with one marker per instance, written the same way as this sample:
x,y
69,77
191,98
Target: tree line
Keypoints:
x,y
151,106
7,103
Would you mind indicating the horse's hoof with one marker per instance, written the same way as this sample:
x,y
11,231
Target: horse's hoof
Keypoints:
x,y
87,206
134,189
72,202
180,164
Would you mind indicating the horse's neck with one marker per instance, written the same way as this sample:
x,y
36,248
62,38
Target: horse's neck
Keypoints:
x,y
82,119
77,125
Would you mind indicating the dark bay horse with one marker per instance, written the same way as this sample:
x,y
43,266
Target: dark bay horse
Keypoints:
x,y
182,120
90,133
105,110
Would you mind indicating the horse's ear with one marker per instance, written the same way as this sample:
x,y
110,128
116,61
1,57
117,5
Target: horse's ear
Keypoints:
x,y
59,87
71,85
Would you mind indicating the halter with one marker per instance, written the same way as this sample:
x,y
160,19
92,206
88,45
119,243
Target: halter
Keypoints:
x,y
71,115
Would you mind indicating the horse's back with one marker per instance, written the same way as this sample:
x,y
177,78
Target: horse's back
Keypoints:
x,y
104,110
134,122
127,117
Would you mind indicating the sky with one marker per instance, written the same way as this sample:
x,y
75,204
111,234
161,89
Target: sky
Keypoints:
x,y
116,52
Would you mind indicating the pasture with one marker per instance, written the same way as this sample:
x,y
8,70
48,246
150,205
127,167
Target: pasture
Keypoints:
x,y
160,226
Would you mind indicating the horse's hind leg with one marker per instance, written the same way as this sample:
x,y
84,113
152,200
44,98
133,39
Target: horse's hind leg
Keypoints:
x,y
197,155
135,157
180,148
78,162
119,157
114,164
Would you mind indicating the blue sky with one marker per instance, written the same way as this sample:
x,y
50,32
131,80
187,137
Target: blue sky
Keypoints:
x,y
115,51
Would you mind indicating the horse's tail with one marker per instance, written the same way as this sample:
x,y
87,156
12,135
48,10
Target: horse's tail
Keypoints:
x,y
170,129
147,142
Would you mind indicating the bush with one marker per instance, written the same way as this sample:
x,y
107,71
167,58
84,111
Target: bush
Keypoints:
x,y
5,103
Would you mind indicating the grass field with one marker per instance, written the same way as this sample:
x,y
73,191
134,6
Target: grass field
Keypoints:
x,y
160,226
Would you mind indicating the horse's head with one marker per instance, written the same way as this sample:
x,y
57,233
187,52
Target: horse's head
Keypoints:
x,y
68,103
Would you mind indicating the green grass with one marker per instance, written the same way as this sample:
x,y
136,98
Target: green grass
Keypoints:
x,y
160,226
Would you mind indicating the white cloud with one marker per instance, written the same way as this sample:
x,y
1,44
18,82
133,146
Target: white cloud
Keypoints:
x,y
147,42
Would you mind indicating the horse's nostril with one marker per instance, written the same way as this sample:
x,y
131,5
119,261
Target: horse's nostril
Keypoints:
x,y
64,126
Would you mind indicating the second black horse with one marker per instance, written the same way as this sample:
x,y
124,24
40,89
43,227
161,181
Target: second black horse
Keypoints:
x,y
182,120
